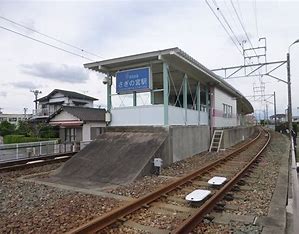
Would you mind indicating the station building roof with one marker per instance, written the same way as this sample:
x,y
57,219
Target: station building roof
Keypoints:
x,y
179,60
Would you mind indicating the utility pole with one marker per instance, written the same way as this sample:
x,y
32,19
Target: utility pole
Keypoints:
x,y
275,120
25,112
36,93
266,113
290,117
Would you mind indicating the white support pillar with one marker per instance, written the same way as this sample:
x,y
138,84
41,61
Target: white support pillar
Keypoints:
x,y
198,101
109,83
185,96
165,92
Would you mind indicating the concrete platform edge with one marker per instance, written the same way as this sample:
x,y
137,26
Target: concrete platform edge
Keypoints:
x,y
277,215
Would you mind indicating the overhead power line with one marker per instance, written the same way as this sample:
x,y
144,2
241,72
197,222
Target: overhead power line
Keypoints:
x,y
45,43
227,23
52,38
241,23
255,15
237,46
230,13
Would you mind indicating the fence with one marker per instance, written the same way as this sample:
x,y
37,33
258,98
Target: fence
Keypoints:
x,y
10,152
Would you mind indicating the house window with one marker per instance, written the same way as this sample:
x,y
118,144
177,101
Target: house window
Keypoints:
x,y
70,134
95,131
12,119
227,111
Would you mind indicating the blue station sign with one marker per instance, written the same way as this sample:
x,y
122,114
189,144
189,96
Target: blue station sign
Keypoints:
x,y
134,80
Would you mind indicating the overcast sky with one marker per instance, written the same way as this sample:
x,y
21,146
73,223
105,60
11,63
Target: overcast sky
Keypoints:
x,y
117,28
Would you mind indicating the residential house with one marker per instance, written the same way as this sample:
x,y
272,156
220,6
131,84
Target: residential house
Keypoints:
x,y
78,124
49,104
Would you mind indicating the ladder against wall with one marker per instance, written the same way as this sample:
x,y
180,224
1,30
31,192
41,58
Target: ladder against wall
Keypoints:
x,y
216,140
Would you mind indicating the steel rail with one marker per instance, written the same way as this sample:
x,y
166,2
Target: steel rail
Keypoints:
x,y
25,164
101,222
190,223
31,159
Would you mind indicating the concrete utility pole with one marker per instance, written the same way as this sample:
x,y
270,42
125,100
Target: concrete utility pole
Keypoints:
x,y
289,94
36,93
290,115
25,112
275,117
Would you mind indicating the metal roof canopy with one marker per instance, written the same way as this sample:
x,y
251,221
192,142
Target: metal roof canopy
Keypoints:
x,y
180,63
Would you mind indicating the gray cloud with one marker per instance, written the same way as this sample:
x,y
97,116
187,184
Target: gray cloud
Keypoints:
x,y
3,94
64,73
24,85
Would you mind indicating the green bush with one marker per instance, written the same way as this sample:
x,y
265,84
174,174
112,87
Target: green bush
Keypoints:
x,y
6,128
47,131
11,139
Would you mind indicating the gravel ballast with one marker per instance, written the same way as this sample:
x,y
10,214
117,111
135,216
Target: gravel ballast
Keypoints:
x,y
28,207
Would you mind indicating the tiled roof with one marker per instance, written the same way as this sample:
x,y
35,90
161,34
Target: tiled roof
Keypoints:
x,y
67,93
86,114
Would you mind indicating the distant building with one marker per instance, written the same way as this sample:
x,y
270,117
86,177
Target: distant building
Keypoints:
x,y
78,123
49,104
296,119
13,118
280,118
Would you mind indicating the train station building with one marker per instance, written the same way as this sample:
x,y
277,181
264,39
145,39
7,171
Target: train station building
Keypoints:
x,y
186,103
182,91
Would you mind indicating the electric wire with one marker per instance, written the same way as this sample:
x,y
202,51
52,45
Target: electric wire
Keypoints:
x,y
243,53
218,8
259,78
231,1
255,15
50,37
45,43
223,27
227,23
230,14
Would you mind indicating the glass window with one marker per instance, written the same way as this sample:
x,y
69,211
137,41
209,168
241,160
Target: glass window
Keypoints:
x,y
70,134
227,111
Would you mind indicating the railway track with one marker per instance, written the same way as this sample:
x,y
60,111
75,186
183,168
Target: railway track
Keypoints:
x,y
171,196
33,162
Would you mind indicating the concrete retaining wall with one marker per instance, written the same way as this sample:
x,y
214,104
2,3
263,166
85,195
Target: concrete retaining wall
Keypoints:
x,y
182,141
232,136
186,141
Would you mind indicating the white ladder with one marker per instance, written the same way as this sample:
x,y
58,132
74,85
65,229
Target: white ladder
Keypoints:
x,y
216,140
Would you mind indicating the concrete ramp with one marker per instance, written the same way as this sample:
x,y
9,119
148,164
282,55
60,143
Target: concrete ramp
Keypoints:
x,y
114,158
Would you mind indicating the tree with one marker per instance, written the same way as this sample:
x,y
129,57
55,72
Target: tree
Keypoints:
x,y
25,128
6,128
47,131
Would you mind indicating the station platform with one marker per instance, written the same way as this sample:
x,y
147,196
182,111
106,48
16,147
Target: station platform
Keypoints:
x,y
293,197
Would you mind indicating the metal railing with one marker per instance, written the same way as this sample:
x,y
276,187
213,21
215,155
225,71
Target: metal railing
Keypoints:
x,y
11,152
42,112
